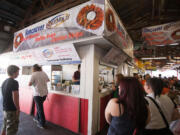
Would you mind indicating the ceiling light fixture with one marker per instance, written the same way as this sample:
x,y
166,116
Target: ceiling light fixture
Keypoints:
x,y
154,58
170,63
174,44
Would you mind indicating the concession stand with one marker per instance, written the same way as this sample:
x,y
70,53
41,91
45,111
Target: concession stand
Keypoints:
x,y
90,34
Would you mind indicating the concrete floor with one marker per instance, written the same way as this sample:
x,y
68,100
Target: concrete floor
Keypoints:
x,y
28,127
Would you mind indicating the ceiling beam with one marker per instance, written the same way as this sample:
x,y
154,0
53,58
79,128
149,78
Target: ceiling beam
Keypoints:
x,y
50,2
28,13
66,4
43,4
10,5
13,17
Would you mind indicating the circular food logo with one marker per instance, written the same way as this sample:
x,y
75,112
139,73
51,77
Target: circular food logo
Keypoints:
x,y
110,20
90,17
47,53
176,34
18,40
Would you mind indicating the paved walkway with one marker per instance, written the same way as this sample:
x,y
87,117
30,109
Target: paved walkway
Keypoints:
x,y
28,127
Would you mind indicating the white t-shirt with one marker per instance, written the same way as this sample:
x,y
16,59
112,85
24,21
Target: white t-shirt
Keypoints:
x,y
39,81
167,108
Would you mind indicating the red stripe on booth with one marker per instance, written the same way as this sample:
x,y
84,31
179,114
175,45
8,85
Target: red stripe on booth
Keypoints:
x,y
84,116
25,99
63,111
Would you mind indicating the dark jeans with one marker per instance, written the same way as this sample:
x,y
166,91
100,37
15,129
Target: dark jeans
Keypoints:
x,y
40,109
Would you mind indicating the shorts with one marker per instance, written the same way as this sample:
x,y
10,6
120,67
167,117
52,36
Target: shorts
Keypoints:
x,y
10,122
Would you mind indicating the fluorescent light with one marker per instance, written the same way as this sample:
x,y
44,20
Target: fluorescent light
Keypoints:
x,y
154,58
160,45
170,63
176,57
174,44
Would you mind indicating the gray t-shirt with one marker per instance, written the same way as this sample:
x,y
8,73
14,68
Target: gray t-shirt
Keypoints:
x,y
39,80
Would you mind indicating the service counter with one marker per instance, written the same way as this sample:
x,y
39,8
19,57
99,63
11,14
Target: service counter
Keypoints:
x,y
66,110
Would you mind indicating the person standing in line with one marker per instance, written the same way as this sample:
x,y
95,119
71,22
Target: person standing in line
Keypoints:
x,y
115,88
10,95
39,80
76,76
129,113
163,110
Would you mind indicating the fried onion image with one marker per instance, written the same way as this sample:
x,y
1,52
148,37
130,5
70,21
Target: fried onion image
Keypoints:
x,y
110,20
19,38
90,17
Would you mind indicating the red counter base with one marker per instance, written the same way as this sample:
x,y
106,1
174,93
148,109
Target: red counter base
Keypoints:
x,y
84,116
25,99
65,111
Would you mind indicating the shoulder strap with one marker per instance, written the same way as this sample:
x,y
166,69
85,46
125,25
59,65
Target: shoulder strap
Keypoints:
x,y
175,105
160,111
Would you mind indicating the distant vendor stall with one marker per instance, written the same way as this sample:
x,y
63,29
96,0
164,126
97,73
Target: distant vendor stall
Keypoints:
x,y
91,35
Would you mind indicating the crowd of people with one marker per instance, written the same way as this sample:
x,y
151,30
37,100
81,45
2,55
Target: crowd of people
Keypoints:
x,y
143,105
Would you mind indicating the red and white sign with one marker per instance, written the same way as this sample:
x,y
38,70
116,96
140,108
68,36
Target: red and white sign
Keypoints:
x,y
162,34
115,30
85,20
55,54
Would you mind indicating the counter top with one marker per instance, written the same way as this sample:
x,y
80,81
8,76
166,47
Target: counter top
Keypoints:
x,y
105,92
64,93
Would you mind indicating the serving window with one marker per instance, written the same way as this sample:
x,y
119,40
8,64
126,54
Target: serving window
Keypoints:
x,y
61,78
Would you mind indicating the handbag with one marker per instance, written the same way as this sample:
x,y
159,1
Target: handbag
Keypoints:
x,y
169,132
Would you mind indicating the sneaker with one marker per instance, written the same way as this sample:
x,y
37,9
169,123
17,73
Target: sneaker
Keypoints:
x,y
40,126
34,119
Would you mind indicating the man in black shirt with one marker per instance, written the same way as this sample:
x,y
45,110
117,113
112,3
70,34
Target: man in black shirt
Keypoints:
x,y
10,95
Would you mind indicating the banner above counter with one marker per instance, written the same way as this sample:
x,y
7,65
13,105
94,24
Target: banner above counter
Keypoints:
x,y
164,34
115,30
88,21
54,54
85,20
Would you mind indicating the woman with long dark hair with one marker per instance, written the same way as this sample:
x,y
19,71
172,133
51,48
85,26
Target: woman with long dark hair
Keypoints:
x,y
162,108
128,114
